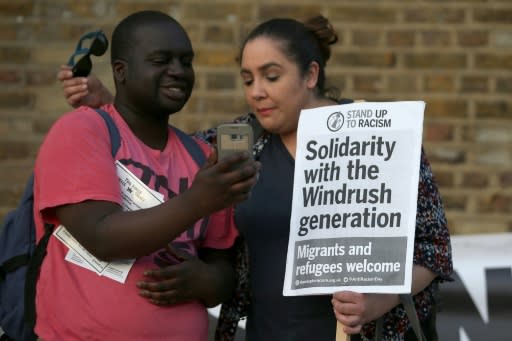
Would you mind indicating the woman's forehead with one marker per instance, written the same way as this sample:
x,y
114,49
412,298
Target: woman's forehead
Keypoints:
x,y
263,41
263,50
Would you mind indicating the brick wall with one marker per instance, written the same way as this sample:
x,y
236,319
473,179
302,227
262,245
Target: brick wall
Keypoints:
x,y
454,54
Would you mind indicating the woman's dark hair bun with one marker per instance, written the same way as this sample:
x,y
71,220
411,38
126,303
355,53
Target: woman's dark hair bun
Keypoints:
x,y
324,33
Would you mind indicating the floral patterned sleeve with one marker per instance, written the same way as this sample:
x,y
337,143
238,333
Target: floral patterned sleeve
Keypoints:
x,y
432,247
210,135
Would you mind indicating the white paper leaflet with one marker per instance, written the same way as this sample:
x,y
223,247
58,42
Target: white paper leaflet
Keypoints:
x,y
136,195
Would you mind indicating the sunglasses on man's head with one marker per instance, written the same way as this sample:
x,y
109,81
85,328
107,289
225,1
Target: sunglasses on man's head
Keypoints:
x,y
97,47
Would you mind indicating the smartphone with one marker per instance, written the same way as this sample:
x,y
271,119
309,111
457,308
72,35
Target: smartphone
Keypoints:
x,y
233,138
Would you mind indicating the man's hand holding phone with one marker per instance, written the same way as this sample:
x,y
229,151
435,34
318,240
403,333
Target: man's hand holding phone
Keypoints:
x,y
229,174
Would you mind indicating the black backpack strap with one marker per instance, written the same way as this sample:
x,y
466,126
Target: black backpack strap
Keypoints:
x,y
13,264
196,153
33,270
379,328
410,310
191,145
115,137
408,304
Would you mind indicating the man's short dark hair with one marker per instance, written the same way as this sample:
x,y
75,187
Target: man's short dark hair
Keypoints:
x,y
122,37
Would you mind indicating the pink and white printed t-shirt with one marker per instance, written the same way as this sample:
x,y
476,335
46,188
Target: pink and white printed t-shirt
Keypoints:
x,y
75,164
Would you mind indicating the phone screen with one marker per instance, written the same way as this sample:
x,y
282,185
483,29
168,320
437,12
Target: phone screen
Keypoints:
x,y
232,138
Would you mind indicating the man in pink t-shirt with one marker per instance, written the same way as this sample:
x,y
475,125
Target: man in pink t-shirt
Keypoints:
x,y
76,185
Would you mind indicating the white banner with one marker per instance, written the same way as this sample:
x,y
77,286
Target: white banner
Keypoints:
x,y
354,201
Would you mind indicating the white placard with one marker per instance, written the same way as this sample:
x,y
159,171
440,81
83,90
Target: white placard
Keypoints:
x,y
354,198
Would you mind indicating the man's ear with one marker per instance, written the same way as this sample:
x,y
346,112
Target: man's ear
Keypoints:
x,y
312,75
119,67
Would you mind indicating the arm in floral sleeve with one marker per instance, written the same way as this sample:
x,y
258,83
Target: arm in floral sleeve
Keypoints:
x,y
432,247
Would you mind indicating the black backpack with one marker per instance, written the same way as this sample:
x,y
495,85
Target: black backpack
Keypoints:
x,y
21,257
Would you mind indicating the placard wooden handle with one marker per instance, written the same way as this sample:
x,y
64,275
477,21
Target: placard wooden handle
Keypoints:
x,y
340,334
